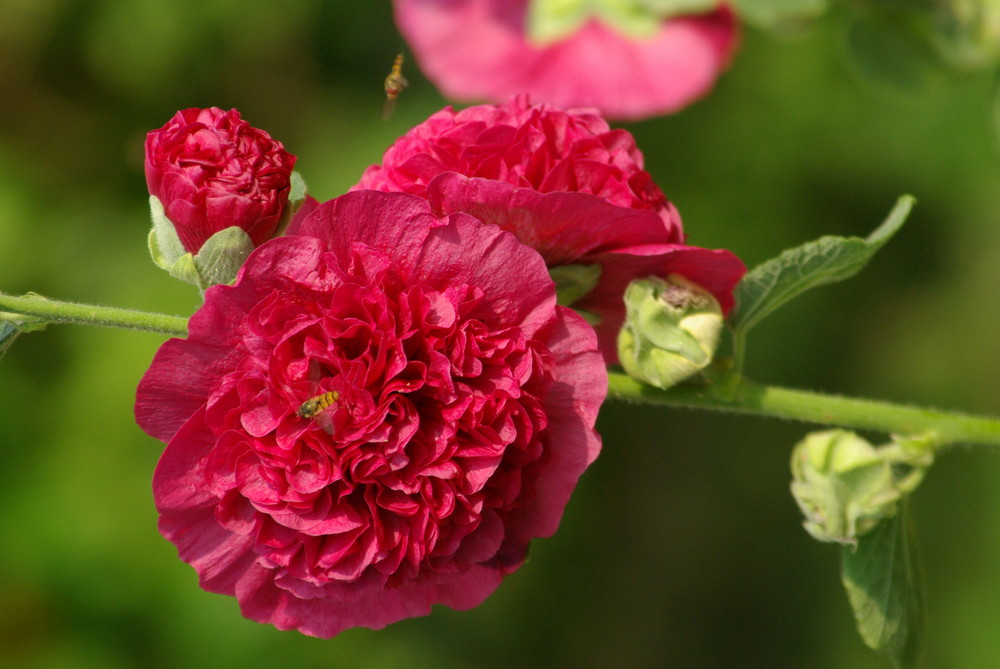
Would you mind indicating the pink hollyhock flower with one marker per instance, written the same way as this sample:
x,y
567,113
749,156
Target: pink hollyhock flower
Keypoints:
x,y
481,50
563,183
379,415
532,146
212,170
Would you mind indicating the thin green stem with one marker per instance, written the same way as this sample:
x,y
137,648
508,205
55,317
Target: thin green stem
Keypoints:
x,y
739,350
55,311
749,398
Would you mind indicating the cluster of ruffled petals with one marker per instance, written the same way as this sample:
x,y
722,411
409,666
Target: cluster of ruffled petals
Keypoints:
x,y
451,411
212,170
565,184
535,146
481,50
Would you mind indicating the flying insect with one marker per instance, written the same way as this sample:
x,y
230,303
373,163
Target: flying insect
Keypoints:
x,y
394,85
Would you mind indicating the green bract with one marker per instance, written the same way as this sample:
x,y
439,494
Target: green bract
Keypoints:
x,y
221,256
671,330
574,282
552,20
217,261
780,16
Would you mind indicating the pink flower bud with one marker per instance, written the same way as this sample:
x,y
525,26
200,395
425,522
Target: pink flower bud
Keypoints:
x,y
211,170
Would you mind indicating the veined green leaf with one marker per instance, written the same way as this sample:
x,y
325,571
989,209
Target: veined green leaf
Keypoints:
x,y
826,260
884,585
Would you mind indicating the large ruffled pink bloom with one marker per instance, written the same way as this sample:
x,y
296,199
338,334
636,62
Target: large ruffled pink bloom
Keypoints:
x,y
460,415
212,170
565,184
479,50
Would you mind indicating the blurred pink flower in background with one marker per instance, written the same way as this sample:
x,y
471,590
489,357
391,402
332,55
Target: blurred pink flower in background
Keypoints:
x,y
482,50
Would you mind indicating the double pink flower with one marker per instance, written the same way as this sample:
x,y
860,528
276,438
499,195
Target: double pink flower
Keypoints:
x,y
464,411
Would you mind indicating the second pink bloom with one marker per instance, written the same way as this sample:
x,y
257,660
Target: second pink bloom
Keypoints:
x,y
565,184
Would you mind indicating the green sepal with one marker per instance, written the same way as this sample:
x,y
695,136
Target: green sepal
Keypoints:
x,y
826,260
884,583
221,257
218,260
165,246
185,270
297,194
781,16
573,282
553,20
667,8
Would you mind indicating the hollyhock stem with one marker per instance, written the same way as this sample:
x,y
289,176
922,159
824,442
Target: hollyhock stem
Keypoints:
x,y
741,396
55,311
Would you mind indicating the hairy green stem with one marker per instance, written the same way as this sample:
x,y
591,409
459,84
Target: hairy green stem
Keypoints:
x,y
745,397
55,311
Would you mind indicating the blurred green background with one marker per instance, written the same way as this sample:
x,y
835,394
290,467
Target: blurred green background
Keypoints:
x,y
682,546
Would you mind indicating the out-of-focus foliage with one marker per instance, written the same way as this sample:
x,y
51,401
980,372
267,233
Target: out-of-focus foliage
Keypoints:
x,y
682,546
907,46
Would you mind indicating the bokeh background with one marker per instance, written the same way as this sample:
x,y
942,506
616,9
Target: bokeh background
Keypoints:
x,y
682,546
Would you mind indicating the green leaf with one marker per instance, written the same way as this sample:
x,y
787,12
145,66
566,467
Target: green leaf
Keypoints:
x,y
826,260
888,52
574,282
885,588
8,333
12,325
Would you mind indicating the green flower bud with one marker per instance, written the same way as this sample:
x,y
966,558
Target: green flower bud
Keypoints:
x,y
845,486
671,330
967,31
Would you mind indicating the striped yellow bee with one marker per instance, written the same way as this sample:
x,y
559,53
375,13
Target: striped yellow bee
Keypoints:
x,y
314,405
